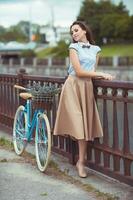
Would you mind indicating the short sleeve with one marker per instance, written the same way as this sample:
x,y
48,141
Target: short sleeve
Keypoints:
x,y
97,49
73,46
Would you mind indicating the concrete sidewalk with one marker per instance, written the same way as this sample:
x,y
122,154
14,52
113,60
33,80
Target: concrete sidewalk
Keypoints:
x,y
96,180
20,180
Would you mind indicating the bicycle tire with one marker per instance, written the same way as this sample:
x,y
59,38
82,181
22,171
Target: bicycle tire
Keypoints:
x,y
19,130
42,142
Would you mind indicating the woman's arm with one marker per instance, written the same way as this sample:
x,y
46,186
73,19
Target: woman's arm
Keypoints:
x,y
83,73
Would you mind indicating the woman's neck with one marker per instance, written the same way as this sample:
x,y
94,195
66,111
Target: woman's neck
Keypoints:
x,y
84,41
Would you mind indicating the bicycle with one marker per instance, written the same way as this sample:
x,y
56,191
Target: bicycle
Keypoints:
x,y
25,122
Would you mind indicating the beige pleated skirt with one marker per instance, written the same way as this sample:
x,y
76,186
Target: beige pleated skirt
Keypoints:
x,y
77,113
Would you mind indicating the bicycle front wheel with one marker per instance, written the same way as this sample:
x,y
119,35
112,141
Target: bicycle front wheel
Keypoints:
x,y
19,130
42,142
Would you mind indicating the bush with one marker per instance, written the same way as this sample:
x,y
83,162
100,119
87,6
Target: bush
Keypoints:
x,y
28,53
61,50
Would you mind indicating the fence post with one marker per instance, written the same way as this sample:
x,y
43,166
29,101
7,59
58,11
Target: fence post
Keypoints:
x,y
115,61
20,81
34,62
49,62
72,151
22,62
10,62
0,60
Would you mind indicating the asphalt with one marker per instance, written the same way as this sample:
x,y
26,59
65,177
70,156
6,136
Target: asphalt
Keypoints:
x,y
22,181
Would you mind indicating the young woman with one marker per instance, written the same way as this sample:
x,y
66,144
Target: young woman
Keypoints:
x,y
77,113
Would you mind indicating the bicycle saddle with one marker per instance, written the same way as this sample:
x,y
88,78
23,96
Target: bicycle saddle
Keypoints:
x,y
25,95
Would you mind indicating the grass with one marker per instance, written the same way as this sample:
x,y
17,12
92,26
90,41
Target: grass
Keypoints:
x,y
54,170
107,50
119,50
45,52
44,194
3,160
6,143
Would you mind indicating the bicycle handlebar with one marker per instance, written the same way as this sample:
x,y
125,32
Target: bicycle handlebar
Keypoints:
x,y
20,87
45,91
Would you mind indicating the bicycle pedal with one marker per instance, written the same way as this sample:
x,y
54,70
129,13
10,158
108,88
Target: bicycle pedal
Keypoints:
x,y
25,139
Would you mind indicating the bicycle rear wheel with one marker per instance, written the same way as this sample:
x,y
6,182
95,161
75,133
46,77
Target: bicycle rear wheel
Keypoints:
x,y
19,130
42,142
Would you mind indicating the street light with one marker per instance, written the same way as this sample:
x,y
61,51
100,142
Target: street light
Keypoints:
x,y
30,22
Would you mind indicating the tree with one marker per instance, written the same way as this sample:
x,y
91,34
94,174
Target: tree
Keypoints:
x,y
121,27
130,29
105,19
19,32
107,27
121,9
2,30
61,50
12,35
114,31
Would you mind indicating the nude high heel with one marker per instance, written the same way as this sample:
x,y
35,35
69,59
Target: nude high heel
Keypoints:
x,y
81,170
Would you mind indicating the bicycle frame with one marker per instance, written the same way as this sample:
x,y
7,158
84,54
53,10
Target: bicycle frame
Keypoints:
x,y
31,120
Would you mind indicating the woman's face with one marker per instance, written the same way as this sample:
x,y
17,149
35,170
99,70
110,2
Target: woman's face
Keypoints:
x,y
78,34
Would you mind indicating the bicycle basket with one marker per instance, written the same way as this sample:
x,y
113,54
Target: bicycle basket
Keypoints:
x,y
44,102
43,96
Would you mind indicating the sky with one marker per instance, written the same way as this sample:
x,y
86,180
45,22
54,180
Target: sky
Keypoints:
x,y
64,12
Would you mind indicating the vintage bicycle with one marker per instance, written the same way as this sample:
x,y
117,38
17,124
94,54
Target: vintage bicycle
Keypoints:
x,y
26,121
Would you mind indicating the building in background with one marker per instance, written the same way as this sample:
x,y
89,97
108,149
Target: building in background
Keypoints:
x,y
52,35
14,49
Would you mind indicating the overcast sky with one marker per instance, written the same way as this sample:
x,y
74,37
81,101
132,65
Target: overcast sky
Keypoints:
x,y
41,11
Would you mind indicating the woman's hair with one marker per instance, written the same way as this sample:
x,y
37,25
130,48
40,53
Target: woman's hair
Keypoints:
x,y
84,27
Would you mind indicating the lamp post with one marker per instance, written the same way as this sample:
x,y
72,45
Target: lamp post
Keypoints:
x,y
30,22
52,22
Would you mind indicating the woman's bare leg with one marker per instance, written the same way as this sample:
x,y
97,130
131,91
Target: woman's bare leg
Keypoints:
x,y
82,150
82,154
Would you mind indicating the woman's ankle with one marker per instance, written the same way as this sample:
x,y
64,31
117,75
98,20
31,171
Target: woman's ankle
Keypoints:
x,y
81,162
81,169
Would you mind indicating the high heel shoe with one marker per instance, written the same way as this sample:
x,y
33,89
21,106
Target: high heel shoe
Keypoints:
x,y
81,170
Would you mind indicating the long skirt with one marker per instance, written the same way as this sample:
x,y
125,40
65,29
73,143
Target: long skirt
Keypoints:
x,y
77,114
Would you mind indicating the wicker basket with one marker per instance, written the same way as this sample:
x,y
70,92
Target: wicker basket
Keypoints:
x,y
45,103
43,96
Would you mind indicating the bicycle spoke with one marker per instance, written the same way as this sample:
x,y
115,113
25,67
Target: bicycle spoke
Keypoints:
x,y
19,130
43,142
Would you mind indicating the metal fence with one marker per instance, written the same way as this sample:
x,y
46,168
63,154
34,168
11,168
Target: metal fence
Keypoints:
x,y
103,61
113,154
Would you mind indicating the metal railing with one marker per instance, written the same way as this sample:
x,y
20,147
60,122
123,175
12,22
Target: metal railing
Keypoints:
x,y
113,154
115,61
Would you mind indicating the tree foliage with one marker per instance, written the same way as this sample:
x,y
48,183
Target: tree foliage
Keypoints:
x,y
107,20
12,35
61,50
28,53
19,32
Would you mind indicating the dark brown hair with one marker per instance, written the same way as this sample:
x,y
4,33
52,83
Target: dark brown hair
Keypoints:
x,y
84,27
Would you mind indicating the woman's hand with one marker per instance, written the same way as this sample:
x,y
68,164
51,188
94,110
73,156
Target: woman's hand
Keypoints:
x,y
106,76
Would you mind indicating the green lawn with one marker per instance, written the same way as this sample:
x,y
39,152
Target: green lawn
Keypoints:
x,y
119,50
45,52
107,50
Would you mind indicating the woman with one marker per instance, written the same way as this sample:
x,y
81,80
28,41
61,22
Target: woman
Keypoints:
x,y
77,113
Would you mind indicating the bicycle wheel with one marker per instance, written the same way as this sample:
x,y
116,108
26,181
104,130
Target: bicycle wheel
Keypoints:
x,y
19,130
42,142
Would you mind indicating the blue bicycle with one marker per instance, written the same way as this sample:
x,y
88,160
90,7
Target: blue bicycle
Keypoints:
x,y
23,129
